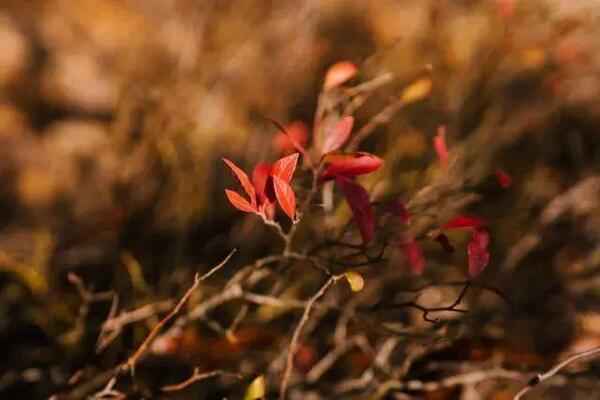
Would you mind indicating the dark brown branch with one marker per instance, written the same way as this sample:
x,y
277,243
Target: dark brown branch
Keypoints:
x,y
427,310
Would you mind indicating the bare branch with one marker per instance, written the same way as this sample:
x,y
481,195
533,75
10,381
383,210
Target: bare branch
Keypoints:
x,y
218,266
467,378
330,358
383,117
113,326
426,310
129,365
198,376
539,378
296,336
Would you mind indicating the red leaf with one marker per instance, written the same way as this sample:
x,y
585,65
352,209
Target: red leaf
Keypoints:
x,y
414,256
350,165
267,209
294,137
260,179
338,135
360,204
284,167
339,73
477,251
239,202
504,179
443,240
464,221
505,8
285,196
439,144
244,181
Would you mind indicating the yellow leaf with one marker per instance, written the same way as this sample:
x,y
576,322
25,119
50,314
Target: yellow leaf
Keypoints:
x,y
355,280
257,389
418,90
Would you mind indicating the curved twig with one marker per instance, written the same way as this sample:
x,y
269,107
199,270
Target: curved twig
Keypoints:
x,y
539,378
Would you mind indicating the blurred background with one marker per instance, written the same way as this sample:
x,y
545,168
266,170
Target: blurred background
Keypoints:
x,y
114,116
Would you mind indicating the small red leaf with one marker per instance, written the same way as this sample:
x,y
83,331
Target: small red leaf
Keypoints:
x,y
294,137
339,73
244,181
285,196
338,135
505,8
439,144
360,204
267,209
260,179
284,168
504,179
239,202
464,221
477,251
414,256
350,165
443,240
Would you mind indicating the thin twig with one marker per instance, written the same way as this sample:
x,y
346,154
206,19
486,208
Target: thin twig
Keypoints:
x,y
113,326
427,310
109,392
383,117
296,336
331,357
218,266
88,297
314,261
481,286
369,86
467,378
129,365
539,378
198,376
133,359
273,301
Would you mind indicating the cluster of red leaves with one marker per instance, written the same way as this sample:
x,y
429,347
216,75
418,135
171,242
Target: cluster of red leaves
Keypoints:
x,y
341,167
269,184
477,248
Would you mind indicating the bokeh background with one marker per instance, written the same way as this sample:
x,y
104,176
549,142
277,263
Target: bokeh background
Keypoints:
x,y
114,116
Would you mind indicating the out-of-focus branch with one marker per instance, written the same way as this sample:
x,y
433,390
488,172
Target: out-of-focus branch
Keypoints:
x,y
539,378
467,378
198,376
331,357
113,326
381,118
88,297
296,336
129,365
